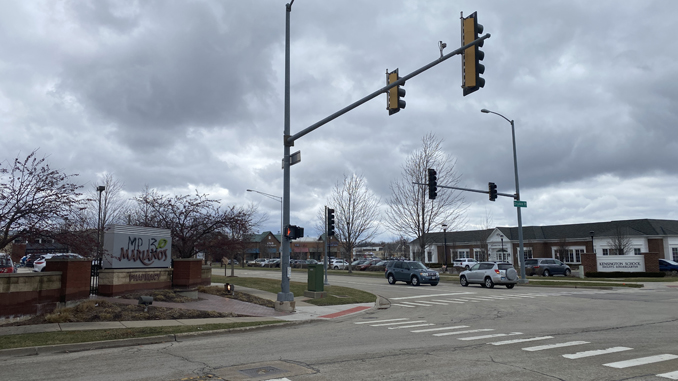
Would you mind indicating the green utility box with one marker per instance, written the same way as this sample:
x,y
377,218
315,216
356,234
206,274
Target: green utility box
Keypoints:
x,y
316,281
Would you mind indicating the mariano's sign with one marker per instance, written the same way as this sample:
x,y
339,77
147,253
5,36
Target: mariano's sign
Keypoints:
x,y
136,247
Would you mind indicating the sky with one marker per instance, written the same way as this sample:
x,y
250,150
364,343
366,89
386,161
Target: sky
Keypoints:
x,y
189,95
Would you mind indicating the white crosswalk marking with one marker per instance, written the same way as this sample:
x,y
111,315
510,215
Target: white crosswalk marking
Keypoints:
x,y
380,321
579,355
412,326
558,345
521,340
398,323
462,332
489,336
402,305
440,329
448,301
640,361
431,302
418,304
670,375
435,295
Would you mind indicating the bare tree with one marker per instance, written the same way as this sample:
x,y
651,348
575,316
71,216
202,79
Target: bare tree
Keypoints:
x,y
410,212
192,220
356,213
35,199
620,241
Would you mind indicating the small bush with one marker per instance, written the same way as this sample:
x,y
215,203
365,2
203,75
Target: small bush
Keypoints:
x,y
621,274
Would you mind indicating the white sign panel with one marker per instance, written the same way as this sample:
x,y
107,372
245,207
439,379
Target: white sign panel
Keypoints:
x,y
136,247
623,263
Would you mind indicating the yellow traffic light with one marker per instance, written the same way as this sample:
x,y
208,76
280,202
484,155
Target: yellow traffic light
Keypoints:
x,y
394,103
471,57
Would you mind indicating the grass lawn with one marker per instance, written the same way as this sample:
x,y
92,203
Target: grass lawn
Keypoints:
x,y
70,337
335,294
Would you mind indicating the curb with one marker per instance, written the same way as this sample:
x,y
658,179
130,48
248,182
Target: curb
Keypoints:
x,y
88,346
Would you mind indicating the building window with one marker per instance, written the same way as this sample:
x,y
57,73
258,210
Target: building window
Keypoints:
x,y
674,251
527,252
479,254
636,251
461,254
606,252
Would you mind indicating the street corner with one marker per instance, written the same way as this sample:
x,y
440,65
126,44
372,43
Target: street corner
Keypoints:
x,y
345,312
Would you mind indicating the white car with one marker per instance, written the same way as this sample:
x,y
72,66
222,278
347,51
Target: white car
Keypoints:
x,y
337,264
466,263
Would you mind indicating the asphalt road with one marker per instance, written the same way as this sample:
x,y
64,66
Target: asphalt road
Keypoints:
x,y
431,333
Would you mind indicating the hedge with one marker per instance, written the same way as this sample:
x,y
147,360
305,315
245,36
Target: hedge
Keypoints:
x,y
621,274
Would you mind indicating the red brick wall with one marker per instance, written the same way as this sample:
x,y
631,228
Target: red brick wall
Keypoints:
x,y
651,262
75,277
187,272
29,294
588,260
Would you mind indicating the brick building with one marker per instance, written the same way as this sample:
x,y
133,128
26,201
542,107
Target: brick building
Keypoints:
x,y
565,242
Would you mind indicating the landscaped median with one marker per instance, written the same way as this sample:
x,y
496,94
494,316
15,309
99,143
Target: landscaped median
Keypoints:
x,y
336,295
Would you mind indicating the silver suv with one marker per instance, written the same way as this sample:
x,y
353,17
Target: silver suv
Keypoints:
x,y
487,274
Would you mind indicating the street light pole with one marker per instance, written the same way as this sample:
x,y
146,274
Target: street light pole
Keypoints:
x,y
100,189
445,244
521,259
280,200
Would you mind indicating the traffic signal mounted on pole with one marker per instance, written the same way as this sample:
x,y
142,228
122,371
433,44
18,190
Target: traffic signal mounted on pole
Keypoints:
x,y
294,232
493,191
432,184
393,101
470,61
330,222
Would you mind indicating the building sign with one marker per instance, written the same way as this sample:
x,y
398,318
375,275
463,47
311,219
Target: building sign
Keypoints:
x,y
136,247
623,263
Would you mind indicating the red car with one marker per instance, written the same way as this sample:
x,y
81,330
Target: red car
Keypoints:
x,y
6,265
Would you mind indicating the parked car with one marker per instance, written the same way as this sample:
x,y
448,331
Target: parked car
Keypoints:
x,y
668,265
273,262
411,272
6,265
337,264
546,267
487,274
31,259
256,262
466,263
365,265
40,263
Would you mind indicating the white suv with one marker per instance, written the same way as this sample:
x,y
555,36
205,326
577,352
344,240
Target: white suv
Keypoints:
x,y
337,264
466,263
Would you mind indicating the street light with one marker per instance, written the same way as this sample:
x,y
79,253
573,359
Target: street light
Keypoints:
x,y
445,244
502,247
521,259
280,200
593,249
100,189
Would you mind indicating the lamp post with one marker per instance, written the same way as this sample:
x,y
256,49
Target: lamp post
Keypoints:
x,y
521,258
445,244
502,246
280,200
593,248
100,189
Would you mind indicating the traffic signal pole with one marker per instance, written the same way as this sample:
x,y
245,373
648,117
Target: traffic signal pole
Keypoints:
x,y
285,299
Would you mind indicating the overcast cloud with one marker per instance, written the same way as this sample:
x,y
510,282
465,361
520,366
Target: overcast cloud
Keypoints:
x,y
185,95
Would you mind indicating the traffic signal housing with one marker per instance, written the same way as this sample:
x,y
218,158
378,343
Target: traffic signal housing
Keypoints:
x,y
294,232
471,57
493,191
330,222
394,102
432,184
